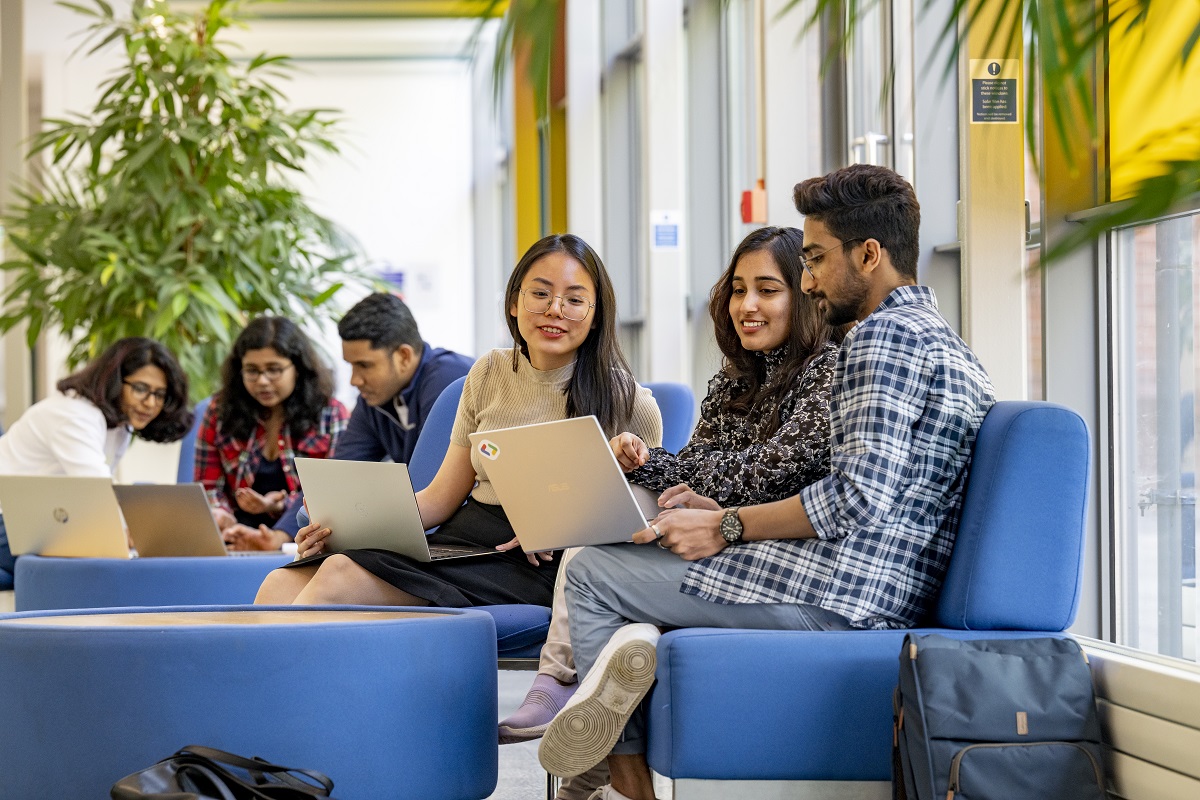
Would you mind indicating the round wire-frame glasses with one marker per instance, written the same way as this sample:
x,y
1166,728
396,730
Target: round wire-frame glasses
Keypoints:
x,y
572,306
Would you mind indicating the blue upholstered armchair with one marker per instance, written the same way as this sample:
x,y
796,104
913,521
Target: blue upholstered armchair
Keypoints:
x,y
809,714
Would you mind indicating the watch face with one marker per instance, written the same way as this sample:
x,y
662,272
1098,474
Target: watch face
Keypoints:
x,y
731,527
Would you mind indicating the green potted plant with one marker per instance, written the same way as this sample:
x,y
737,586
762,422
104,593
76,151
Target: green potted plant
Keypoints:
x,y
165,211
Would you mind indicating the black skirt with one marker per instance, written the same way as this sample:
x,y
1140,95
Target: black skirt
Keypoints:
x,y
463,582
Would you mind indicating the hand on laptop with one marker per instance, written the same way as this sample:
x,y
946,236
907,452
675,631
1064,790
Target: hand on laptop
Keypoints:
x,y
682,496
243,537
631,452
252,502
310,540
531,557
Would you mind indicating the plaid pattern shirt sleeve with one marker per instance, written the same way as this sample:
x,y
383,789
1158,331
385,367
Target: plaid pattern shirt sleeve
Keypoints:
x,y
209,469
224,464
317,442
885,377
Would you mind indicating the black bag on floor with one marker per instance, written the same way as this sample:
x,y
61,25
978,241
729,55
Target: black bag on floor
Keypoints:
x,y
995,719
205,773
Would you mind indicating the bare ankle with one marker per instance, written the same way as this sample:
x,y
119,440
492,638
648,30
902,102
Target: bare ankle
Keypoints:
x,y
631,775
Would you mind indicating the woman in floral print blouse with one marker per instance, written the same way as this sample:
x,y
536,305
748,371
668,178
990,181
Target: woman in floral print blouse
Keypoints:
x,y
763,432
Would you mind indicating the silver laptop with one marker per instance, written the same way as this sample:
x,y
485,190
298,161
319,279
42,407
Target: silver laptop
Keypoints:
x,y
371,504
561,486
173,520
59,515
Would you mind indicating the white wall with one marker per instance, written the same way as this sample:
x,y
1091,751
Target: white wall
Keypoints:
x,y
402,183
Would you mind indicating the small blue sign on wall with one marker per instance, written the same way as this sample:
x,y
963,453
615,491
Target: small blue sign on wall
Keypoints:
x,y
664,230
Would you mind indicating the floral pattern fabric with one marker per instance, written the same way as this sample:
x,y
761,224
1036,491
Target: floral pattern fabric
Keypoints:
x,y
728,460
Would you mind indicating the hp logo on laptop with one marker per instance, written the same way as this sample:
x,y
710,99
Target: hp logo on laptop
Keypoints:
x,y
61,515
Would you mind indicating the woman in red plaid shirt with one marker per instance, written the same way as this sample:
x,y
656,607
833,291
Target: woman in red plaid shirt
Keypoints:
x,y
276,403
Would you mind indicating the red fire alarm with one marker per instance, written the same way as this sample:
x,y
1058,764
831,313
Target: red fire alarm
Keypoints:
x,y
754,204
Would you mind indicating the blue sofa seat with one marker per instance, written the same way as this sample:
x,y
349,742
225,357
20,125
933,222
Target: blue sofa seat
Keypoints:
x,y
520,629
817,706
45,583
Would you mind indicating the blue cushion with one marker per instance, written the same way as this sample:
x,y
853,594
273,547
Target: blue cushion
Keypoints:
x,y
777,705
186,472
1018,557
677,405
520,629
6,580
46,583
434,439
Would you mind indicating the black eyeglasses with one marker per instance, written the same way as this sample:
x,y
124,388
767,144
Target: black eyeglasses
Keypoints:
x,y
273,372
141,391
814,259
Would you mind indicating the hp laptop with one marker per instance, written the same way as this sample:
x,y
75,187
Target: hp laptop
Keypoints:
x,y
58,515
561,486
368,504
173,520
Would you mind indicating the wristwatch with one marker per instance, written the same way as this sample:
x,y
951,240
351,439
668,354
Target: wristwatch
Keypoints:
x,y
731,526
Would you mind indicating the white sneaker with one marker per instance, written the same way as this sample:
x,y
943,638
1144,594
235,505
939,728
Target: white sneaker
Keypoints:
x,y
584,732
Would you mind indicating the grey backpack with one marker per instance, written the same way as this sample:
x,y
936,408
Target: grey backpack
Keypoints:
x,y
995,719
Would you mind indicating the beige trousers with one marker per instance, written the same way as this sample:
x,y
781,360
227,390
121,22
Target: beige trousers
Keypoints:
x,y
557,660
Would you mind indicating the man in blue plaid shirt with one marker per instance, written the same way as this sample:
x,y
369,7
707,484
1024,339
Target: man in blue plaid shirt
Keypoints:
x,y
865,547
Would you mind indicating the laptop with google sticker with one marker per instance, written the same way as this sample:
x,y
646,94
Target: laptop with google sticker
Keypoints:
x,y
560,485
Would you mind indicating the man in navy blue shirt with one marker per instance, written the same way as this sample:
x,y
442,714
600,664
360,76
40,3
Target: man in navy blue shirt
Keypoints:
x,y
398,377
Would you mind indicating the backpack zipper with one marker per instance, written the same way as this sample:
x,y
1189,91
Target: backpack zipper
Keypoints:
x,y
957,760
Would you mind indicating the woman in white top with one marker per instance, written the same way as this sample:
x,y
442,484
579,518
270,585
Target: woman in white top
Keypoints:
x,y
83,429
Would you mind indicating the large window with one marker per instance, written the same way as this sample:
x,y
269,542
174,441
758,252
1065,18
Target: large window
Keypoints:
x,y
622,141
880,86
1155,367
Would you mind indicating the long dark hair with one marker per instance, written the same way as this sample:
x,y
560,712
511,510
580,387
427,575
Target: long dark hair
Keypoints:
x,y
809,333
240,412
102,380
602,383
